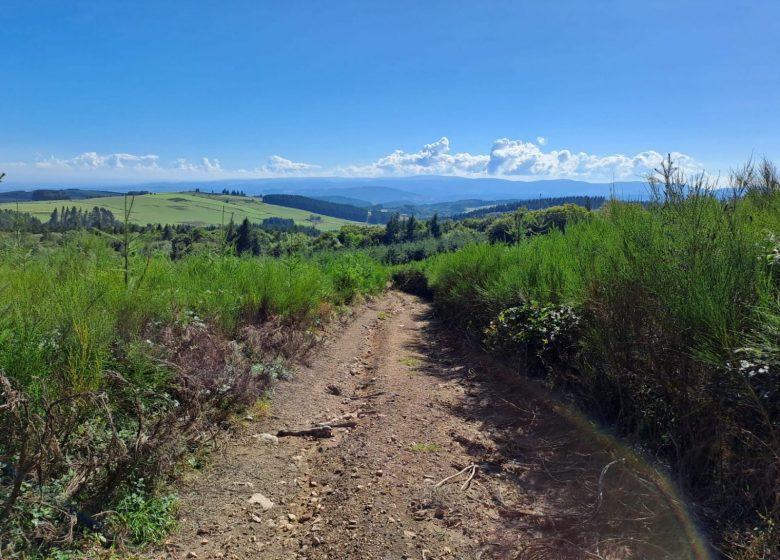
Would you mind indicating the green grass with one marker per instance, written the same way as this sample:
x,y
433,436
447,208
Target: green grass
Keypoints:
x,y
184,208
675,336
72,333
409,361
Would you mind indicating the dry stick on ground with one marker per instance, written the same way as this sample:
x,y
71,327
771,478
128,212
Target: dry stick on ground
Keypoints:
x,y
318,432
600,497
347,424
472,467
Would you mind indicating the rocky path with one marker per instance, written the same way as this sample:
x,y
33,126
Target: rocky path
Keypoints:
x,y
439,457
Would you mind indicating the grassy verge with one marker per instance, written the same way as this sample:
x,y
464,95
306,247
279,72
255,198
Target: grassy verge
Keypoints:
x,y
661,321
108,389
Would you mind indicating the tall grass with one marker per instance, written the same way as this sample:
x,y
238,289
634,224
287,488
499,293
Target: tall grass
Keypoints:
x,y
676,344
107,382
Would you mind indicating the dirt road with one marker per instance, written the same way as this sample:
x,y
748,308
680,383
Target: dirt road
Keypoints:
x,y
440,457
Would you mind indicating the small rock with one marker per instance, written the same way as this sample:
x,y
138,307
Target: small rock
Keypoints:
x,y
379,473
266,438
256,518
292,517
191,554
264,502
409,535
202,531
439,514
204,541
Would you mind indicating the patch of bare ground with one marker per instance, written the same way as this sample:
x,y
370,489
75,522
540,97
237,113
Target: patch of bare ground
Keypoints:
x,y
433,454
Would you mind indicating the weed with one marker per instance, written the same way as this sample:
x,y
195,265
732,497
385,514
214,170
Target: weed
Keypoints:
x,y
144,518
426,447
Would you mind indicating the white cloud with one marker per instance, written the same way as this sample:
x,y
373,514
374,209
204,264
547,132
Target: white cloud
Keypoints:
x,y
93,160
432,159
277,165
211,165
507,158
517,159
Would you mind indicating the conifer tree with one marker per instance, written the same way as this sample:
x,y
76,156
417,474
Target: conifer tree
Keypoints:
x,y
244,237
411,226
434,227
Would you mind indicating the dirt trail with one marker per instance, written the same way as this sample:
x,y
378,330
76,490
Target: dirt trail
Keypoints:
x,y
423,410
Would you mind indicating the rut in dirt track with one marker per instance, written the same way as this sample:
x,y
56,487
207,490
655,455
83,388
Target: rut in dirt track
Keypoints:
x,y
417,409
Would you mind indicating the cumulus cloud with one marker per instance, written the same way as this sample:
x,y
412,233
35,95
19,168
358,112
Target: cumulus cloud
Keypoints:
x,y
93,160
432,159
277,165
507,158
518,159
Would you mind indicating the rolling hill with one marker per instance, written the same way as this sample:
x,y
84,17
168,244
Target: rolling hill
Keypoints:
x,y
185,208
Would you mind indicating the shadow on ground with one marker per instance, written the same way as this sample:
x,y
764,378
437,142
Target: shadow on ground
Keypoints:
x,y
557,485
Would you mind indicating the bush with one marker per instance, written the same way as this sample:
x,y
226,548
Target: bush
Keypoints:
x,y
536,332
411,281
105,384
675,338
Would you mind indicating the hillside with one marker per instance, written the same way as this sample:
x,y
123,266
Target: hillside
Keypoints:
x,y
53,194
185,208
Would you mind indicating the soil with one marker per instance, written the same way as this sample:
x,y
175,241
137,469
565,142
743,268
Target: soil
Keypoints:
x,y
442,454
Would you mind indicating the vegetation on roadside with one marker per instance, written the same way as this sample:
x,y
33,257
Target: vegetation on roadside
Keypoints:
x,y
125,349
109,386
660,320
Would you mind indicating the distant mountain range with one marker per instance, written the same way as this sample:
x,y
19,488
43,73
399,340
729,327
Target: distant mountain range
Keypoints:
x,y
400,191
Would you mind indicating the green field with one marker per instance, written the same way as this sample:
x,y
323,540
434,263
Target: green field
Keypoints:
x,y
184,208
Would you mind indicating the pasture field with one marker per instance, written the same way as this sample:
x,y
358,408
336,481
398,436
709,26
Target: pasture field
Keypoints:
x,y
184,208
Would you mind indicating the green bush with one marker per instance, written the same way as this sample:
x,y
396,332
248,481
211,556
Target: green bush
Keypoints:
x,y
134,375
673,299
543,333
411,281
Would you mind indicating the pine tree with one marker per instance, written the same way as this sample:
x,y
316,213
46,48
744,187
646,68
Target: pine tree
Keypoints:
x,y
411,226
54,220
392,229
434,227
244,237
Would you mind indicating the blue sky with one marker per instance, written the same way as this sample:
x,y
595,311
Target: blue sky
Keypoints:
x,y
109,91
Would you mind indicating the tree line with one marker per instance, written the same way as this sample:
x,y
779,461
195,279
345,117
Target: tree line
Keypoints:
x,y
334,209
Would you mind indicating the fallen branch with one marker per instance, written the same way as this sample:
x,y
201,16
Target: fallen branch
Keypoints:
x,y
348,424
472,467
469,479
318,432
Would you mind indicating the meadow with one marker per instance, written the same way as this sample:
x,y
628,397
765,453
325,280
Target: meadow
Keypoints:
x,y
192,208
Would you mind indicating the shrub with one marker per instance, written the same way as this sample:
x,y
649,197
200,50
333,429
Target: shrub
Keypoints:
x,y
536,332
676,329
411,281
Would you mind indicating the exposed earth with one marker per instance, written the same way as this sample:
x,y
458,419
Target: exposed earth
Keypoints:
x,y
440,454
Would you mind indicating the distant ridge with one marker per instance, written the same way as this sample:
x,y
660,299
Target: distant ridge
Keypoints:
x,y
412,190
53,194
